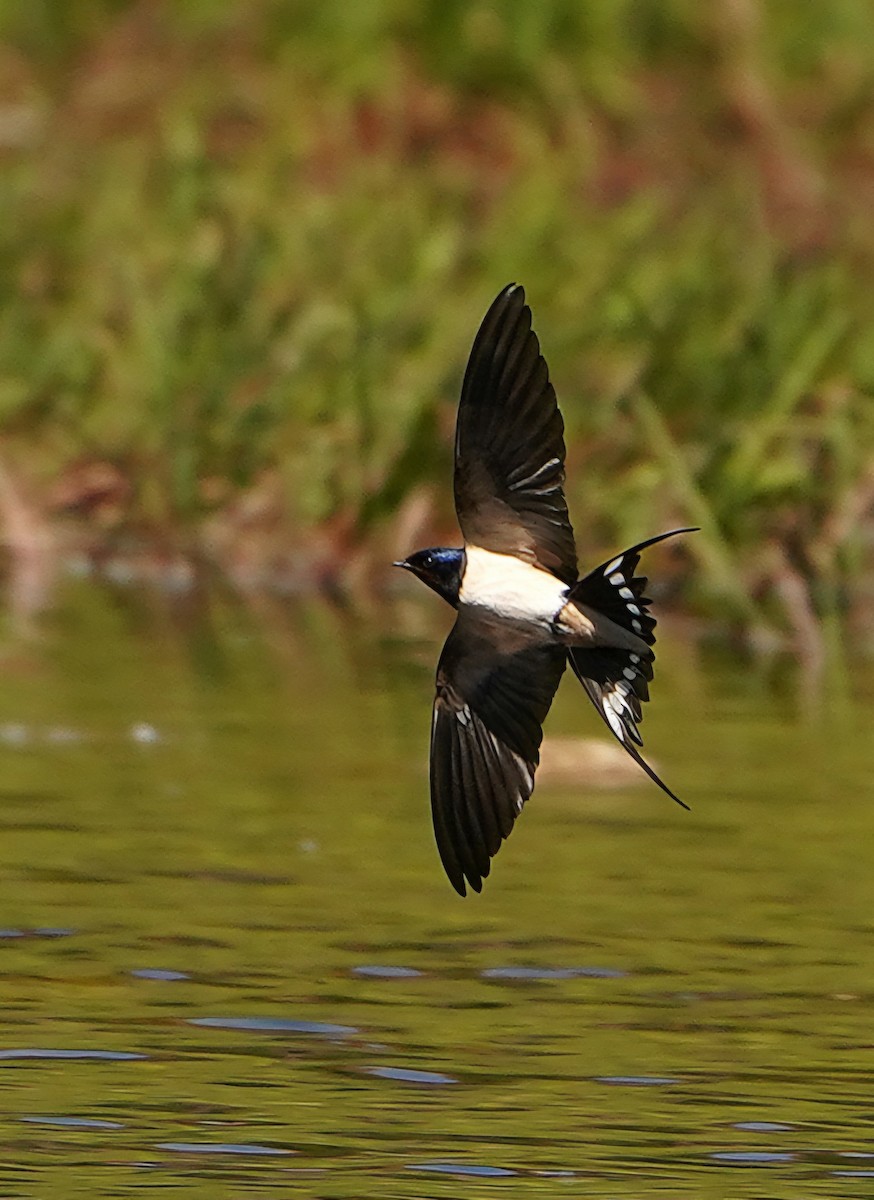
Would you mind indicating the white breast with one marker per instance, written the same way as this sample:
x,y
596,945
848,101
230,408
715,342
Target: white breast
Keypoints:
x,y
510,587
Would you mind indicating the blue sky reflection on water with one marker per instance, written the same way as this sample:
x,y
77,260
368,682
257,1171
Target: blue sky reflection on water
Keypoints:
x,y
229,952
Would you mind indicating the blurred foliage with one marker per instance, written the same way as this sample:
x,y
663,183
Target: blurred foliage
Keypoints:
x,y
245,247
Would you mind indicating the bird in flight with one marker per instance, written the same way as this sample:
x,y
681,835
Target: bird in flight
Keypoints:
x,y
523,612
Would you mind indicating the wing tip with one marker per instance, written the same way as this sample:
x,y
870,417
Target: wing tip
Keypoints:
x,y
461,882
660,537
511,292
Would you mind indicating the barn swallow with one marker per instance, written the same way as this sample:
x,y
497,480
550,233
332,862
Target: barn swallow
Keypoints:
x,y
523,611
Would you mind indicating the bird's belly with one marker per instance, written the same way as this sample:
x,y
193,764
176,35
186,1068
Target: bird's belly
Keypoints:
x,y
511,588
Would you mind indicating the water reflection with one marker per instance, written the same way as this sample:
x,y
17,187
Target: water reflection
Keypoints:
x,y
229,952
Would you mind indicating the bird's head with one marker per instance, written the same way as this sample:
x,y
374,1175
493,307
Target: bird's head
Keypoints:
x,y
440,568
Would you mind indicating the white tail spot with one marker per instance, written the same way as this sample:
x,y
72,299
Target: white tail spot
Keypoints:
x,y
614,722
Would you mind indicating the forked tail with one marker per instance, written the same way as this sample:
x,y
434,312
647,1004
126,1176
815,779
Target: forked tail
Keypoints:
x,y
617,680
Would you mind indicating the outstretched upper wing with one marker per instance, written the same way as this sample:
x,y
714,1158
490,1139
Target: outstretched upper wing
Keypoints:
x,y
617,681
509,445
495,683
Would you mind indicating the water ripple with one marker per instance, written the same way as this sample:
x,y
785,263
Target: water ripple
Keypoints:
x,y
377,972
552,973
219,1148
752,1158
110,1055
636,1080
443,1168
42,932
275,1025
157,973
409,1075
762,1127
73,1122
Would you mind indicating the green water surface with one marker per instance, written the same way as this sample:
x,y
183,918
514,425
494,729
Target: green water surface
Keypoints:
x,y
231,964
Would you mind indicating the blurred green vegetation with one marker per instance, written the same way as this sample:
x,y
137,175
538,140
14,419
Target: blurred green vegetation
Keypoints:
x,y
244,248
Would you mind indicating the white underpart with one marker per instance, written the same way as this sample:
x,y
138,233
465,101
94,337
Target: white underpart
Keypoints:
x,y
510,587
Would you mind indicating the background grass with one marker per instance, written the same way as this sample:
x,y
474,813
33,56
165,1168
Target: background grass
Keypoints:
x,y
244,248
